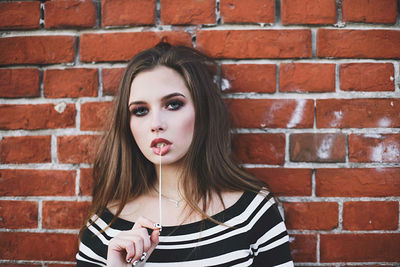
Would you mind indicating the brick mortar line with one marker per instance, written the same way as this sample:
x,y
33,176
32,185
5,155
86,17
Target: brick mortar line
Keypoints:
x,y
44,262
339,264
203,27
40,214
334,231
48,198
44,231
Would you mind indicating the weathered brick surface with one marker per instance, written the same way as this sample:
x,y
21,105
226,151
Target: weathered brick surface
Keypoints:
x,y
259,148
37,183
309,147
374,148
94,115
18,214
271,113
75,82
187,11
260,78
123,46
358,43
285,181
304,247
76,148
19,82
365,215
308,11
311,216
371,11
127,12
31,149
358,113
47,246
40,116
255,43
367,77
360,247
70,14
19,15
86,182
111,79
64,214
358,182
37,50
251,11
306,77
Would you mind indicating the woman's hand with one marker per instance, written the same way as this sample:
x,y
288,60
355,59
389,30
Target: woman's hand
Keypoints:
x,y
129,246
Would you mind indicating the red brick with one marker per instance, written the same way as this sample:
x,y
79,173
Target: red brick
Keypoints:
x,y
371,11
358,43
380,182
67,265
260,78
64,214
47,246
259,148
358,113
123,46
271,113
30,149
311,215
76,148
76,82
37,49
86,182
111,80
285,181
251,11
18,214
188,11
127,12
361,215
39,116
308,12
306,77
318,147
380,148
304,248
21,264
19,82
37,183
367,77
94,115
255,43
20,15
69,14
360,247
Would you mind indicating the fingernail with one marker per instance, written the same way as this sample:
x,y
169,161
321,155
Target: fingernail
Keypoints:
x,y
129,260
157,225
143,256
134,263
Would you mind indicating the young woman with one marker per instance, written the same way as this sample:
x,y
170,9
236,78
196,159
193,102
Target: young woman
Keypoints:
x,y
166,153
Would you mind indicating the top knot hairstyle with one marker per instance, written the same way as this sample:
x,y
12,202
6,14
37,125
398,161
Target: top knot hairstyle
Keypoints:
x,y
121,171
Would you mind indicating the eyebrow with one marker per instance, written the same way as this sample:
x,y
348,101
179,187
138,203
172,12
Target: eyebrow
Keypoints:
x,y
162,99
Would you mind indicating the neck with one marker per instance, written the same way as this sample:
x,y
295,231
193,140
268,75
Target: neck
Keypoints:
x,y
170,180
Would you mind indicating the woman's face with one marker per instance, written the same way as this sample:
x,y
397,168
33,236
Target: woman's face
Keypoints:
x,y
162,114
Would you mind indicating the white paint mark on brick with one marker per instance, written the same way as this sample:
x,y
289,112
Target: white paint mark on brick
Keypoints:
x,y
324,150
384,122
338,118
60,107
385,152
391,103
392,78
297,114
225,85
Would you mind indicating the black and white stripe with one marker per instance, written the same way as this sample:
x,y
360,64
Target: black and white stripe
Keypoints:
x,y
256,236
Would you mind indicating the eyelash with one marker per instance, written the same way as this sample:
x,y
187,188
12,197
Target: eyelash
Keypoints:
x,y
172,105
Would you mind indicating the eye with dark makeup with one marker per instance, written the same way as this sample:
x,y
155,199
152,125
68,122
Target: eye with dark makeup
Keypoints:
x,y
174,104
139,111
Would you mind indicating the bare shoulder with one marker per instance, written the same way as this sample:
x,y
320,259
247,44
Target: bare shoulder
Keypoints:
x,y
230,198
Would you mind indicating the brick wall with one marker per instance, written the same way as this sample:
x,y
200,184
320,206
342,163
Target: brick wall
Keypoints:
x,y
312,86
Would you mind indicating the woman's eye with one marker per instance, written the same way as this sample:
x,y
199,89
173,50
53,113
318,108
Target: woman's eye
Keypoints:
x,y
174,105
140,111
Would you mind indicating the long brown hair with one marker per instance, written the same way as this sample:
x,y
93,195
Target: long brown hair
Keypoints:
x,y
123,173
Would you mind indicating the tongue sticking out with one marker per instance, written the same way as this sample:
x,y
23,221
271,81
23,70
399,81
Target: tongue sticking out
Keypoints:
x,y
161,149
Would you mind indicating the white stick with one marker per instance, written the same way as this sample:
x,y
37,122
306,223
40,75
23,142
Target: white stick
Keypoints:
x,y
159,191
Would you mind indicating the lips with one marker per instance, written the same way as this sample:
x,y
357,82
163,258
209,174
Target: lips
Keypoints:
x,y
160,146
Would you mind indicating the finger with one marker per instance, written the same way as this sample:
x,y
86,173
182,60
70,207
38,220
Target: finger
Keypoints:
x,y
138,248
145,222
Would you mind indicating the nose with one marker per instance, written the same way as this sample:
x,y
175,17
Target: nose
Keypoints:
x,y
157,123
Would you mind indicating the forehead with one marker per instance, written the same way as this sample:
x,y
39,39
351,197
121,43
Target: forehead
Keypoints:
x,y
159,81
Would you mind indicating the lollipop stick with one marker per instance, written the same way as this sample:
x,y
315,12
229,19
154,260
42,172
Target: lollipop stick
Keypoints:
x,y
159,191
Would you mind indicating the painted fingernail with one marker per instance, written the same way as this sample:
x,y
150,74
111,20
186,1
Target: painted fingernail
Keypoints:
x,y
157,225
129,260
143,256
134,263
